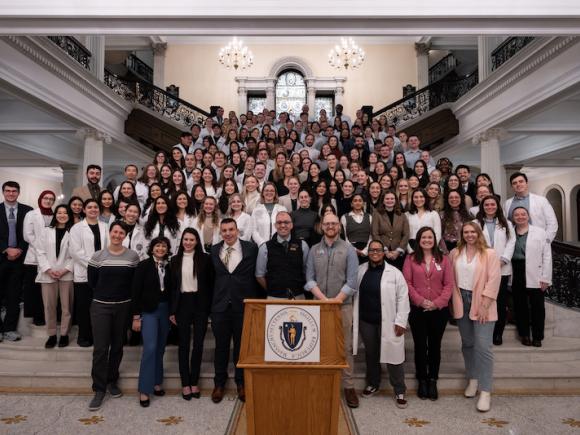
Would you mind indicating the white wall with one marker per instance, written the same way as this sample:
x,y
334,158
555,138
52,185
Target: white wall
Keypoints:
x,y
32,182
203,81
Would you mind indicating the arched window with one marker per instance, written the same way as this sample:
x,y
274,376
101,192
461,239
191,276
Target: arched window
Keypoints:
x,y
554,197
290,93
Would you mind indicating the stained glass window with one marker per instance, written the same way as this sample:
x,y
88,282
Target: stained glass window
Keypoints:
x,y
290,93
256,104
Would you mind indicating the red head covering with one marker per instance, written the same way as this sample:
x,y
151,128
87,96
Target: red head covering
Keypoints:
x,y
44,210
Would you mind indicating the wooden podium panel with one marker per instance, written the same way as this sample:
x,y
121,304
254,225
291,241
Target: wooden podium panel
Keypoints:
x,y
292,397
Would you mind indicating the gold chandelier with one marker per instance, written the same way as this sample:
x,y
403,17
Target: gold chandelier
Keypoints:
x,y
236,55
346,55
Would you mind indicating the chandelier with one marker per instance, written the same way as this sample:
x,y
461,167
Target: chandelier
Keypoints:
x,y
236,55
345,55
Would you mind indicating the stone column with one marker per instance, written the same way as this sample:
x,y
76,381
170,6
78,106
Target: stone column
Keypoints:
x,y
159,49
271,94
422,50
311,101
242,99
490,151
339,96
94,141
485,45
96,45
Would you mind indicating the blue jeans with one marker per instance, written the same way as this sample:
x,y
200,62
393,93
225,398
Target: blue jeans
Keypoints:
x,y
476,345
154,328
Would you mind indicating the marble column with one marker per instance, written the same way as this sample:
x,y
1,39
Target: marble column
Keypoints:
x,y
242,99
94,141
96,45
339,96
159,49
271,95
311,101
422,50
489,142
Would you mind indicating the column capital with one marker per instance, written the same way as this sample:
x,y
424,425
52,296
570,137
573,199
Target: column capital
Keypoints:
x,y
159,48
312,91
422,48
490,134
242,90
339,90
88,132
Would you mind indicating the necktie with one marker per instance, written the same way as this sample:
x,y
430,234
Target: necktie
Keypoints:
x,y
285,244
12,241
226,259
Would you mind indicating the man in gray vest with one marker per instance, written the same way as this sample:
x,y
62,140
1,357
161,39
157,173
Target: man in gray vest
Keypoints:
x,y
331,273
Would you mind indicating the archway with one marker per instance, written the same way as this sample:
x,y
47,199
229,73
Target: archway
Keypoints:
x,y
555,196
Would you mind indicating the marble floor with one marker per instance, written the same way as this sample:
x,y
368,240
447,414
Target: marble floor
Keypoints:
x,y
514,415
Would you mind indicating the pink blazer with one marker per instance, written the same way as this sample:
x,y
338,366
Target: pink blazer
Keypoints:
x,y
435,285
486,283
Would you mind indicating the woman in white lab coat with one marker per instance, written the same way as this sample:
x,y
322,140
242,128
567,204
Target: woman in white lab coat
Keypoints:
x,y
264,214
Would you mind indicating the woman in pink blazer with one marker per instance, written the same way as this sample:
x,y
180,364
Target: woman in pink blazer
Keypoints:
x,y
430,280
477,277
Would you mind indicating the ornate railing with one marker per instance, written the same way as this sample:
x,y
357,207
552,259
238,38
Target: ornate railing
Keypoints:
x,y
427,98
507,49
74,49
156,99
442,68
565,289
140,68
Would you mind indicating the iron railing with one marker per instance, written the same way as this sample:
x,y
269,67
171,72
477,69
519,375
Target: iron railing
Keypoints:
x,y
74,49
507,49
140,68
156,99
442,68
565,289
414,105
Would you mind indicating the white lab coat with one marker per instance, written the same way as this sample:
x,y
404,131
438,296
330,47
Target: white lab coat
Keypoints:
x,y
538,258
173,240
541,215
429,219
46,256
82,247
503,247
216,234
264,223
245,226
32,229
395,309
137,242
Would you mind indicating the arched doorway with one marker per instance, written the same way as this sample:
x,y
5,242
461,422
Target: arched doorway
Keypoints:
x,y
556,199
290,93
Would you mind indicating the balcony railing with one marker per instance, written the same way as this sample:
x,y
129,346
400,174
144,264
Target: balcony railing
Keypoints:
x,y
442,68
74,49
414,105
507,49
156,99
565,289
140,68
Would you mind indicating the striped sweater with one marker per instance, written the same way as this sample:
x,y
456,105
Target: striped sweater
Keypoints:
x,y
111,276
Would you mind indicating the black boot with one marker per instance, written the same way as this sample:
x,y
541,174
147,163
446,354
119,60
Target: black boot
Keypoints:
x,y
433,393
423,390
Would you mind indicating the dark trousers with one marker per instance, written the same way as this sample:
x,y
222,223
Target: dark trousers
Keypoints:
x,y
427,328
190,365
154,327
109,325
371,337
225,326
11,273
32,294
398,262
502,299
82,303
528,304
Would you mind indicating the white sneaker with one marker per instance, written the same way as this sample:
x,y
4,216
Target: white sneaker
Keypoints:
x,y
471,389
484,402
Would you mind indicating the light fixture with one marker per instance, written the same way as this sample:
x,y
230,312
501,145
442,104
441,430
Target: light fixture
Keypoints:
x,y
346,55
236,55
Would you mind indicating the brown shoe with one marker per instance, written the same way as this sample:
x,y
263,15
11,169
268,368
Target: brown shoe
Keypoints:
x,y
241,393
218,394
351,397
526,341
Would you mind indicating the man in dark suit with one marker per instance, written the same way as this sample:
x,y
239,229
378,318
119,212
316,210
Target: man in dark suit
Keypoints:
x,y
13,249
464,174
234,262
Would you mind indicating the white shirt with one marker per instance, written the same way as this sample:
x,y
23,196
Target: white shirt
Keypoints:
x,y
188,281
235,256
465,279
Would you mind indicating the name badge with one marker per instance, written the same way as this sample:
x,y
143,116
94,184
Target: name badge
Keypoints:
x,y
438,267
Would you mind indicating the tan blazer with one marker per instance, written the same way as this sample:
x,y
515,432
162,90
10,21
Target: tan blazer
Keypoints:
x,y
393,236
82,192
485,283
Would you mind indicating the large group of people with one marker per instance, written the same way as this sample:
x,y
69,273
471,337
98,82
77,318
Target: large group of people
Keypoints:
x,y
274,207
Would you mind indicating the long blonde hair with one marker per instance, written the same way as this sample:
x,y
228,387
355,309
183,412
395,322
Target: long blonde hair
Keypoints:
x,y
480,244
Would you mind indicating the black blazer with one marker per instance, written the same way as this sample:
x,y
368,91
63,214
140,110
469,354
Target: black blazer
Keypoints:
x,y
21,243
146,289
236,286
205,280
470,191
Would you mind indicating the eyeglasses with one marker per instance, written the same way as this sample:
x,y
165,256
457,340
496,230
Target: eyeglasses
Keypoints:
x,y
283,222
330,224
376,251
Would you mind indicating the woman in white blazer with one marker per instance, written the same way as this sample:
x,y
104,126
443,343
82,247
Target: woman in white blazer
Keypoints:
x,y
380,313
243,219
207,224
264,214
86,237
499,235
420,215
55,266
33,226
532,275
135,239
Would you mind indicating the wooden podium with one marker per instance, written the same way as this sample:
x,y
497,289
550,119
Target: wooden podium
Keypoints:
x,y
292,397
